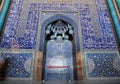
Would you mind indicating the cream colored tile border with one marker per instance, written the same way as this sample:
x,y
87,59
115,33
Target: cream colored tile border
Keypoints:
x,y
1,5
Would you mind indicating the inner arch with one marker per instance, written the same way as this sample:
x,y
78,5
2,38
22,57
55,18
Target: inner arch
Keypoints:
x,y
59,29
65,19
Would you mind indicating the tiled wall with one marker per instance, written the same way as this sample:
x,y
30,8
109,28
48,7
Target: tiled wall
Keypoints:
x,y
95,33
101,37
28,38
9,38
19,65
103,65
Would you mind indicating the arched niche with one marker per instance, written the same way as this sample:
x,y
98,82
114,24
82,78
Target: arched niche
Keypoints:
x,y
59,53
74,41
64,18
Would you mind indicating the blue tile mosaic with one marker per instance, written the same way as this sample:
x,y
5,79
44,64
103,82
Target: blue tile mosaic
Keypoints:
x,y
101,65
9,37
60,6
28,40
29,33
91,40
35,6
19,65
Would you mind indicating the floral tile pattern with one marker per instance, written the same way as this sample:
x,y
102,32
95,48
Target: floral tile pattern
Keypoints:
x,y
101,65
19,65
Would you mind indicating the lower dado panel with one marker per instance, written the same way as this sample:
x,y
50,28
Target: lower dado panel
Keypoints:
x,y
99,65
102,65
22,65
19,65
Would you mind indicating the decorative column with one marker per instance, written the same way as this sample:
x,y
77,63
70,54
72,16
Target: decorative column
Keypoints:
x,y
118,4
114,17
3,12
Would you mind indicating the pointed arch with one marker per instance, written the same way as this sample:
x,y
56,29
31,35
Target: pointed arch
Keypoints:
x,y
64,18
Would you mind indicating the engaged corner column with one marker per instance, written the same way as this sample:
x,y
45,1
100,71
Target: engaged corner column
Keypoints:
x,y
3,12
115,16
118,4
38,66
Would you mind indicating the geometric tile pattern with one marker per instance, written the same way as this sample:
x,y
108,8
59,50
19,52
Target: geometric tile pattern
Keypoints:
x,y
101,65
19,65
